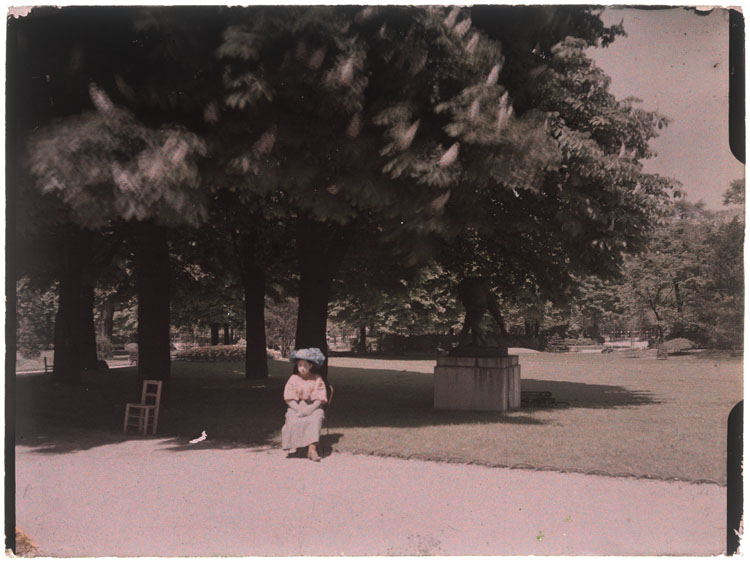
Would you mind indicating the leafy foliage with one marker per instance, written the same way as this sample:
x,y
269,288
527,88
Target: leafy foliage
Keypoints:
x,y
691,277
206,286
281,323
105,165
735,195
399,117
36,310
587,212
596,308
490,144
126,320
357,109
423,302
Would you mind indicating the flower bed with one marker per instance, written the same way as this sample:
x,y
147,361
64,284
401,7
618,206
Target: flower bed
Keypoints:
x,y
211,354
217,353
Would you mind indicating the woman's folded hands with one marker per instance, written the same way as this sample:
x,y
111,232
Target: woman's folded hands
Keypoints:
x,y
307,409
303,409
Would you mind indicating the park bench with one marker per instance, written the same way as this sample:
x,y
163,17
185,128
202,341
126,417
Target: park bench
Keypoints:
x,y
130,355
555,344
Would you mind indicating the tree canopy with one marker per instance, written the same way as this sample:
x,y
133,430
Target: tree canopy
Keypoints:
x,y
462,141
105,165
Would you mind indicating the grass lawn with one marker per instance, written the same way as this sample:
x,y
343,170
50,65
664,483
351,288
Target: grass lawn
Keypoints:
x,y
627,414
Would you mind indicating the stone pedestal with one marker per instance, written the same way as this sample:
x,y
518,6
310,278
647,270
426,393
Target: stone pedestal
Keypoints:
x,y
478,383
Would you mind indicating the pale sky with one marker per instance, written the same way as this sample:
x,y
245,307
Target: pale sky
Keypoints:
x,y
677,62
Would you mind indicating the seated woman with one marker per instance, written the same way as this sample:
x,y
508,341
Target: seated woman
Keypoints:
x,y
305,394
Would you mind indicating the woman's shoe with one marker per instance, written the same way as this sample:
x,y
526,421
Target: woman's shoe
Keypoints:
x,y
312,454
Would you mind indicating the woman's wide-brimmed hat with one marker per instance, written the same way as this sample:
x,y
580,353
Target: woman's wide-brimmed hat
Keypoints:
x,y
311,354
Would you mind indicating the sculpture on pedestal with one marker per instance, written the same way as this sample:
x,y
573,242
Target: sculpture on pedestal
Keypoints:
x,y
475,294
478,374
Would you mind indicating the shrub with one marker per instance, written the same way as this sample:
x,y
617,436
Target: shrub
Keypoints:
x,y
28,343
212,354
580,341
678,344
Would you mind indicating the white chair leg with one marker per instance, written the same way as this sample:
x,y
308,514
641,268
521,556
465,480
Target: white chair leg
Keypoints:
x,y
127,415
156,421
144,418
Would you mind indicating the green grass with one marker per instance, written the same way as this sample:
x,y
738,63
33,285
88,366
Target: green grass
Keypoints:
x,y
627,414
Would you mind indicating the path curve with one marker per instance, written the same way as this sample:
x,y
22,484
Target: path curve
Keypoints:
x,y
154,497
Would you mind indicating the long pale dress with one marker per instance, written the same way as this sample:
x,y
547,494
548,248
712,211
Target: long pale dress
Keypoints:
x,y
302,431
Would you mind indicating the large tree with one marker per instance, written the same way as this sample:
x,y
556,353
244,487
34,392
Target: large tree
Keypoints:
x,y
410,122
586,212
42,83
690,277
142,59
379,114
107,166
54,250
577,200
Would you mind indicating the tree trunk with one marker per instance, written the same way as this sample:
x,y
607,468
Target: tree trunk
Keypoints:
x,y
67,365
362,339
75,342
151,251
247,251
214,334
320,250
89,355
106,320
677,296
254,286
227,339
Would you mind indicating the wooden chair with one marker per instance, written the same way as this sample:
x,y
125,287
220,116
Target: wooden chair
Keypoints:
x,y
328,406
139,414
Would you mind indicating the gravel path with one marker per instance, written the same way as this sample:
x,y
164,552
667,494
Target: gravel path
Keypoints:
x,y
159,497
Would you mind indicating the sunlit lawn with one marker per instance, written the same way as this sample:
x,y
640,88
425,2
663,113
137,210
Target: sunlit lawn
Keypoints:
x,y
632,415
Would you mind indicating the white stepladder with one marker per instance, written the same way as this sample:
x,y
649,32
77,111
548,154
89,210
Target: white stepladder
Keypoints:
x,y
146,411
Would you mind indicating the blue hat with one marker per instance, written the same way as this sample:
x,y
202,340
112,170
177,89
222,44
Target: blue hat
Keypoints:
x,y
311,354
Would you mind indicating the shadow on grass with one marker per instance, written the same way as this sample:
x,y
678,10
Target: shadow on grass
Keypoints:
x,y
585,395
426,356
240,413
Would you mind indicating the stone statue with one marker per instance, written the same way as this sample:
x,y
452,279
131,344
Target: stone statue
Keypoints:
x,y
475,294
478,374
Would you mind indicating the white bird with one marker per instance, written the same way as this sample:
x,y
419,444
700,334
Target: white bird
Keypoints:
x,y
199,439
